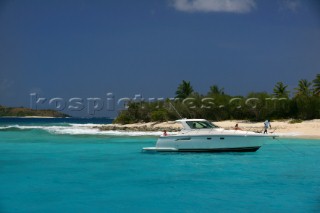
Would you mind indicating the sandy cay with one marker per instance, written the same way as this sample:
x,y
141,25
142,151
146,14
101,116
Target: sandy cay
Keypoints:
x,y
305,129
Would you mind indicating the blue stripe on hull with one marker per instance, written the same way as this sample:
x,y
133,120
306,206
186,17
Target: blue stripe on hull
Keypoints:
x,y
240,149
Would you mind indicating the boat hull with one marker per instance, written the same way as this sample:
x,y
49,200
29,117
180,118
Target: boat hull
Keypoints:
x,y
240,149
209,143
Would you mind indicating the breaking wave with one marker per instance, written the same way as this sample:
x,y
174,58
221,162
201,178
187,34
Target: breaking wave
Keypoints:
x,y
78,129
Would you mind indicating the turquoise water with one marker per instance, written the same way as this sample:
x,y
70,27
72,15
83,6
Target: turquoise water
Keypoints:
x,y
45,171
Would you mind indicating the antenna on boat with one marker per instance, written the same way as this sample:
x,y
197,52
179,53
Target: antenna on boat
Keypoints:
x,y
175,110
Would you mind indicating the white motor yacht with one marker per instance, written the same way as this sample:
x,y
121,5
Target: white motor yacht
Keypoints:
x,y
199,135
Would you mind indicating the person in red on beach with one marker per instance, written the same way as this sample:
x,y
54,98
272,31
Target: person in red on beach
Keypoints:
x,y
165,133
237,127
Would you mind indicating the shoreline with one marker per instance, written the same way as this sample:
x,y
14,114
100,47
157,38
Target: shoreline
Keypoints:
x,y
306,129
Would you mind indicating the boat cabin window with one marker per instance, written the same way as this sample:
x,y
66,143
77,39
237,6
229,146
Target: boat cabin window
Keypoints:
x,y
200,125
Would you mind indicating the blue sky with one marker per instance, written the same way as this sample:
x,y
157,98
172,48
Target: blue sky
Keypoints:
x,y
89,48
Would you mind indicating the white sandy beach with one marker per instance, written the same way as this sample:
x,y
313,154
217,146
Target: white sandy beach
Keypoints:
x,y
305,129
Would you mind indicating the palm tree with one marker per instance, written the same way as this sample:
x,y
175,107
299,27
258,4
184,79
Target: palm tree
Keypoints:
x,y
184,90
316,85
280,90
214,90
303,88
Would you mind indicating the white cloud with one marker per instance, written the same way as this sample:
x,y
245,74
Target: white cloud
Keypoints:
x,y
231,6
292,5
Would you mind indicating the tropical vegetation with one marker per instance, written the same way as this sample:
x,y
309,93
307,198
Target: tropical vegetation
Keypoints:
x,y
217,105
184,90
316,86
22,112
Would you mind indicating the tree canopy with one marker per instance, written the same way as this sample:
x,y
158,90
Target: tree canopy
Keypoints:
x,y
184,90
316,85
303,88
215,90
217,105
280,90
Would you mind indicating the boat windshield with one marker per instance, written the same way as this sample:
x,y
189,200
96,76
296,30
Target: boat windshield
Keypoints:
x,y
201,125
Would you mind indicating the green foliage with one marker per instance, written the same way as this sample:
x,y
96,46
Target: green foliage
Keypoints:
x,y
159,115
280,90
184,90
303,88
21,112
256,106
124,117
306,107
215,90
316,85
294,121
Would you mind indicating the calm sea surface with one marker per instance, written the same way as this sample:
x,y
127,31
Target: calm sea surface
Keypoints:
x,y
63,165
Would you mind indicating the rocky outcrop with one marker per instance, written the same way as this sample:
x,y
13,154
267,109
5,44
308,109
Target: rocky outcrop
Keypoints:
x,y
169,126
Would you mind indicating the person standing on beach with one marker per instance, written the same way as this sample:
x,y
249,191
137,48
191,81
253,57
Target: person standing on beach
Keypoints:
x,y
267,125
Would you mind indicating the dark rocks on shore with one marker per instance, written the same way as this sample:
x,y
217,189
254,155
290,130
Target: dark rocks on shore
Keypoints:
x,y
144,127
